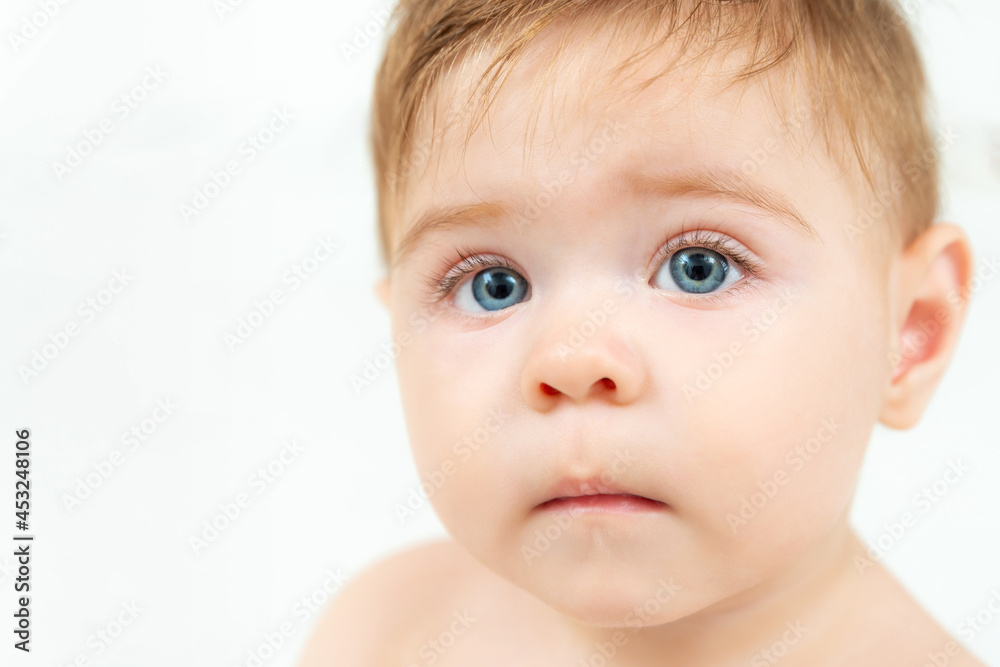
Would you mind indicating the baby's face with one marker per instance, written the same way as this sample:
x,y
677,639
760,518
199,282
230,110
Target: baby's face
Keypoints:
x,y
622,323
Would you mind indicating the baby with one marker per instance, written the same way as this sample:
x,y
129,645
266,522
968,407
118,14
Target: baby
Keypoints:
x,y
656,268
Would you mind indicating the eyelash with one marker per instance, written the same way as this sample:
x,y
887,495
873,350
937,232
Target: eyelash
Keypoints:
x,y
701,238
470,262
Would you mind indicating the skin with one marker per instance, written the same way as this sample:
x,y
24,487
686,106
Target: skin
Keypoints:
x,y
816,326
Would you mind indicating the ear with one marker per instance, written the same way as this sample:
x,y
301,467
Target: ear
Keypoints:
x,y
930,292
382,291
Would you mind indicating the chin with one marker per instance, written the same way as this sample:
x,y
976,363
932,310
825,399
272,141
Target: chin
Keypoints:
x,y
614,610
606,594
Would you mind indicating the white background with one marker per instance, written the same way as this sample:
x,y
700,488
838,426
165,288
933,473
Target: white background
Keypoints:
x,y
162,337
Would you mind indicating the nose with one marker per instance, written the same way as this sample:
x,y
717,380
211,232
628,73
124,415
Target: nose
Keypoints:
x,y
605,367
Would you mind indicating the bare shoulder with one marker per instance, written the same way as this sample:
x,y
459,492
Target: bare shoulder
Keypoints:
x,y
381,607
902,632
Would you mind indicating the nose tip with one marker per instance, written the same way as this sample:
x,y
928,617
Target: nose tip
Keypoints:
x,y
605,371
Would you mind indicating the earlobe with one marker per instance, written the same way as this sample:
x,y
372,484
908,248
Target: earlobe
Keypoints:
x,y
931,295
382,291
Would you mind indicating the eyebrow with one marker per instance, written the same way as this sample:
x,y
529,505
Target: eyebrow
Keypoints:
x,y
720,182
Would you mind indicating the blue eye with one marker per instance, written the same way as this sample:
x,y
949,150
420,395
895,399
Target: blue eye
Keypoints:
x,y
494,288
699,270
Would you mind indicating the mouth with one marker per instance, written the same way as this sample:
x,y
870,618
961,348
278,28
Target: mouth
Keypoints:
x,y
592,495
614,503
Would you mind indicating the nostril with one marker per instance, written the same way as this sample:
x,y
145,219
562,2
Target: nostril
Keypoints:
x,y
551,391
608,382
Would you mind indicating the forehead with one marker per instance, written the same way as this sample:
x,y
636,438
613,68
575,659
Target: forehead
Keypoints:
x,y
552,115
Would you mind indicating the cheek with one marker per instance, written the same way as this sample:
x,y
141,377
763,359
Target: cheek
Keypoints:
x,y
457,421
781,433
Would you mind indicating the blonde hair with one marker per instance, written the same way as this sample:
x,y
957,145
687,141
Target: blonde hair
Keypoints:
x,y
861,58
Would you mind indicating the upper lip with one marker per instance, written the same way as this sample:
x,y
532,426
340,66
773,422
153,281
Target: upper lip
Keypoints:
x,y
574,487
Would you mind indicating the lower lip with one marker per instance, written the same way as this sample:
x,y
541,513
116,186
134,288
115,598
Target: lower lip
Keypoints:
x,y
616,503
